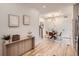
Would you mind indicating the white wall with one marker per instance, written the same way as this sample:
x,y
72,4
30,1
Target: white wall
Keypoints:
x,y
20,10
62,23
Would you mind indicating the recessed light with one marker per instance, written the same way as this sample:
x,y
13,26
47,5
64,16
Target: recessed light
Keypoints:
x,y
44,6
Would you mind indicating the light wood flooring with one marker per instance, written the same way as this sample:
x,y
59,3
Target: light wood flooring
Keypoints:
x,y
46,47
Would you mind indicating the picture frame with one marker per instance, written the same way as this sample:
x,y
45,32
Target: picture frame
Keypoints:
x,y
13,20
26,19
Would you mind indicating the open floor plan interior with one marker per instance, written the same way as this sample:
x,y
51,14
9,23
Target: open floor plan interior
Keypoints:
x,y
39,29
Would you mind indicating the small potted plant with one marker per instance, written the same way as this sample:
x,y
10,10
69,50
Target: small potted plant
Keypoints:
x,y
6,38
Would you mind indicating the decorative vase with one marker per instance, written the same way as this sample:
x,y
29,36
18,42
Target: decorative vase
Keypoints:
x,y
29,34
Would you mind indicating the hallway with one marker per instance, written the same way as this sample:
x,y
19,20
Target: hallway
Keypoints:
x,y
50,47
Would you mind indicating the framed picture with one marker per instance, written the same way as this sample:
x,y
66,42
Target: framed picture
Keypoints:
x,y
13,20
26,20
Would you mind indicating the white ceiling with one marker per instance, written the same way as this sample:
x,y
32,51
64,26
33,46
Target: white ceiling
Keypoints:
x,y
50,6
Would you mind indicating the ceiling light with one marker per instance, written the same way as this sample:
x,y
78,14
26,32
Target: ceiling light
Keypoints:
x,y
44,6
65,16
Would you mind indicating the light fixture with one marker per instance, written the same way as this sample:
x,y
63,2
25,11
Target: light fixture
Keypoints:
x,y
44,6
65,16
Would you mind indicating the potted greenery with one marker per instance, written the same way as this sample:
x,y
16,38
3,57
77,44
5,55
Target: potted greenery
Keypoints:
x,y
6,38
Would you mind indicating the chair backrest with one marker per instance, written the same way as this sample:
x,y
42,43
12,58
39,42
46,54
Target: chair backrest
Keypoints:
x,y
50,33
60,33
46,32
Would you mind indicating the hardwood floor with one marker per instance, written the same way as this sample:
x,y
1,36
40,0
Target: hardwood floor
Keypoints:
x,y
46,47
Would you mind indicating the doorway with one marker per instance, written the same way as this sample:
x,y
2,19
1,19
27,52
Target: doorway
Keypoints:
x,y
41,27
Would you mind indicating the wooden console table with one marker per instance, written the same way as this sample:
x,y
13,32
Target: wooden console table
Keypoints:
x,y
19,47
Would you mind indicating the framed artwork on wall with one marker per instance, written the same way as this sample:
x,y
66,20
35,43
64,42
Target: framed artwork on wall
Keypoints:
x,y
13,20
26,20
